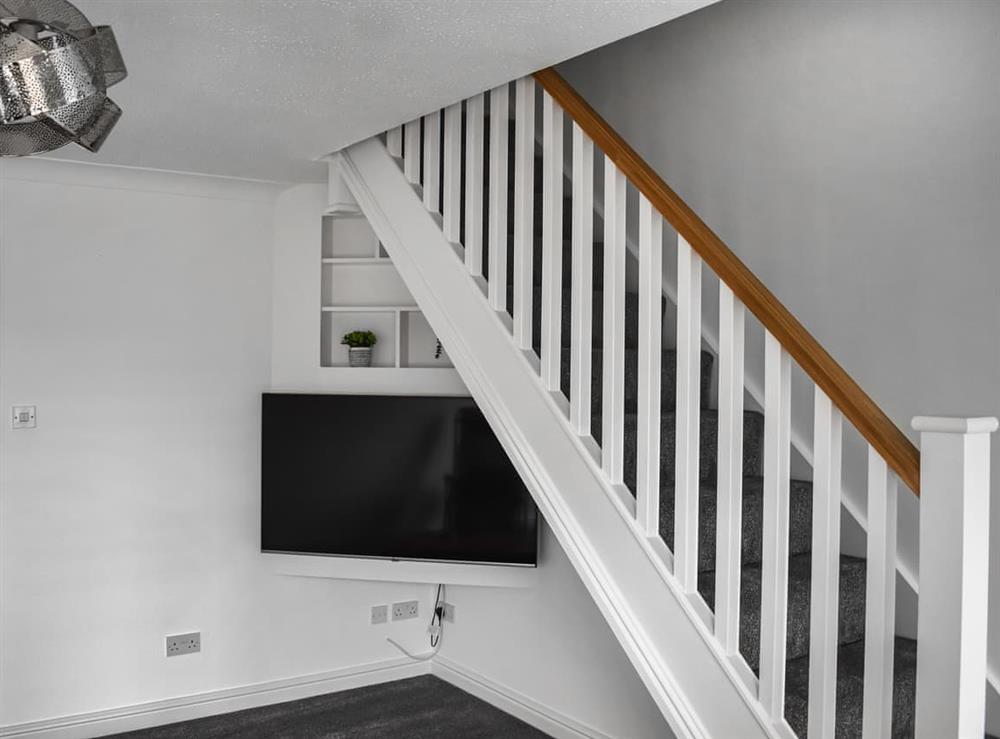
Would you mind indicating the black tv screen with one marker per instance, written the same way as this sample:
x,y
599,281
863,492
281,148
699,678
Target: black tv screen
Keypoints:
x,y
397,477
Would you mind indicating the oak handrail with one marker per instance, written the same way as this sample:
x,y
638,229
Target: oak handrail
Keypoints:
x,y
877,428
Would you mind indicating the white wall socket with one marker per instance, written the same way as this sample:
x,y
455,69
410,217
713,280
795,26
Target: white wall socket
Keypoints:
x,y
448,612
22,417
183,643
406,609
380,615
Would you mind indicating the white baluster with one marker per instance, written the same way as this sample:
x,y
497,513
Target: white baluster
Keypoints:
x,y
411,152
774,566
880,599
499,123
524,210
452,200
650,355
394,141
729,537
432,161
474,111
552,242
582,343
688,431
825,595
954,582
613,363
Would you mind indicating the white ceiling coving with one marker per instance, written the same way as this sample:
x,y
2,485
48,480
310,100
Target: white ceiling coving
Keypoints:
x,y
260,89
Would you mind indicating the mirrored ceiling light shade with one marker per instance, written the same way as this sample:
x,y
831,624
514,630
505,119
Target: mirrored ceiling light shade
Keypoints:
x,y
55,70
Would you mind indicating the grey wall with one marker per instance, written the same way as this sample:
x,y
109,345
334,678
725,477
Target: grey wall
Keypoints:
x,y
849,152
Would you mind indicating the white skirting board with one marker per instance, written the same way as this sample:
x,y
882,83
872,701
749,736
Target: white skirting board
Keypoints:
x,y
171,710
532,712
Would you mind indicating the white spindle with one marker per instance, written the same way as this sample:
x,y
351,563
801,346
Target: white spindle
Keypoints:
x,y
729,536
432,161
880,599
582,342
954,580
774,565
650,355
825,595
688,439
474,111
524,211
394,141
499,122
552,242
613,318
411,152
452,200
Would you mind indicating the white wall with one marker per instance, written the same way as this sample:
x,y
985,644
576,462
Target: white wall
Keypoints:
x,y
136,314
847,152
551,644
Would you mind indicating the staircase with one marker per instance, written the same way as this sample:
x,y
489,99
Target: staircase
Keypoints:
x,y
804,635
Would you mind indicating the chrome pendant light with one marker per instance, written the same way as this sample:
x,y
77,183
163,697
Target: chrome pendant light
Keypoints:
x,y
55,70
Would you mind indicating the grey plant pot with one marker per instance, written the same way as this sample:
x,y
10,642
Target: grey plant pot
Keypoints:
x,y
360,356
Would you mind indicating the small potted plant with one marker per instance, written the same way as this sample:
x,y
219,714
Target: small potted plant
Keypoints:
x,y
359,345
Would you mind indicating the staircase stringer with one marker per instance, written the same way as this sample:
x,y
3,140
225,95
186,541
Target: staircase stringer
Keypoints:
x,y
699,690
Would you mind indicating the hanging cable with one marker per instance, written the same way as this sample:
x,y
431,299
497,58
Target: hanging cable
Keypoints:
x,y
435,629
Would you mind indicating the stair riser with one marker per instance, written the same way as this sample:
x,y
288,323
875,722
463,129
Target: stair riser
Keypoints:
x,y
753,440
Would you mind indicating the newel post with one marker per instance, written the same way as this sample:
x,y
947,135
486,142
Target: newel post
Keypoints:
x,y
954,560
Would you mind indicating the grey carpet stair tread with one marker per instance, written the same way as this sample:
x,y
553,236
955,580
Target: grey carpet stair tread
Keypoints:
x,y
668,379
597,323
799,519
850,690
852,604
753,446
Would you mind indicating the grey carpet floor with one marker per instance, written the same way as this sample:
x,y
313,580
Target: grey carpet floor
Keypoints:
x,y
414,708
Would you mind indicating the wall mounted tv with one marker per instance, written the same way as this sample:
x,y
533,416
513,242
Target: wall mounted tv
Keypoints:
x,y
394,477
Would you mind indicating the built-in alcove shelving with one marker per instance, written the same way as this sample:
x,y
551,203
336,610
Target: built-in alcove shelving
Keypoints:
x,y
361,290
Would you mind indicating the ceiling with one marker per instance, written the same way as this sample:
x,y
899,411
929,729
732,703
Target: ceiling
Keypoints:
x,y
260,89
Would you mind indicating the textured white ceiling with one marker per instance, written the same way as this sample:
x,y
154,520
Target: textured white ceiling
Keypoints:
x,y
261,88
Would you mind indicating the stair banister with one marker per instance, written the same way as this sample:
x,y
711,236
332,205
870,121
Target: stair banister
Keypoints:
x,y
898,451
954,576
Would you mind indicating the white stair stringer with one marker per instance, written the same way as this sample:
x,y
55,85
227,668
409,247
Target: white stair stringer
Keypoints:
x,y
699,690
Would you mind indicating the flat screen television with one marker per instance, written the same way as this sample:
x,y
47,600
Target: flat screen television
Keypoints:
x,y
394,477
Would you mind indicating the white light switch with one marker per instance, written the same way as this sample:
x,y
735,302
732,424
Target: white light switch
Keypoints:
x,y
23,417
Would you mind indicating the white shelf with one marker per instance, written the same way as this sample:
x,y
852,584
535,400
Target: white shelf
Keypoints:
x,y
369,308
347,261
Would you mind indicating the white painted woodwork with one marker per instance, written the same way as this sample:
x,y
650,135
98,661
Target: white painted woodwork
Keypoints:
x,y
432,161
774,564
452,185
411,151
339,200
474,112
954,561
582,340
729,540
650,355
825,594
880,599
394,141
613,361
524,209
499,121
624,573
552,242
688,433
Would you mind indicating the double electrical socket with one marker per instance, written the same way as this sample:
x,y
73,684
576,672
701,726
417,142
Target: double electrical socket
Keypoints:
x,y
400,611
183,643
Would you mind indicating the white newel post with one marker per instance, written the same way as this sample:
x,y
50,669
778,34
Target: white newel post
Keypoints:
x,y
340,201
954,561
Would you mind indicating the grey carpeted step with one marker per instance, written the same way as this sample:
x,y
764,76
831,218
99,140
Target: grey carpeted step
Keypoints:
x,y
753,446
850,690
799,519
851,625
668,379
597,322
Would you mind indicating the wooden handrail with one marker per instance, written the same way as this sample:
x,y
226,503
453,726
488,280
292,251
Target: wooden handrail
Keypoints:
x,y
886,438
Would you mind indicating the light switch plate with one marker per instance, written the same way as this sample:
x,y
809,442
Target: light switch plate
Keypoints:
x,y
22,417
